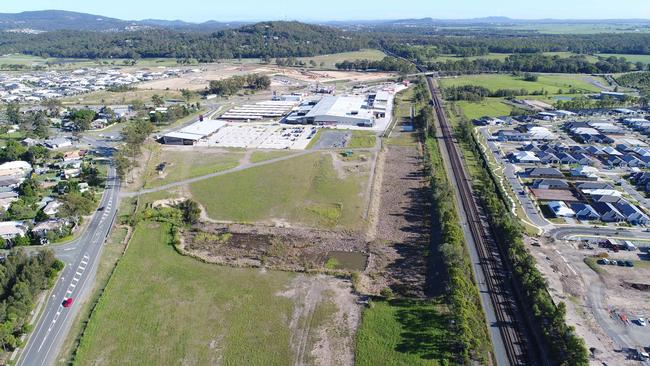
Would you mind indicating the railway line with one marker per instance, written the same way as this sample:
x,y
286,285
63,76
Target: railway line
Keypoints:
x,y
516,341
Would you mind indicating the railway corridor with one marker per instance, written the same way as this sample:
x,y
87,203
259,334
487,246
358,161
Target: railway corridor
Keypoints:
x,y
511,342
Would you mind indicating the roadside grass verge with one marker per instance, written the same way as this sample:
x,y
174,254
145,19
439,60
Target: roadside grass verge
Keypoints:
x,y
305,190
405,332
592,263
111,253
161,308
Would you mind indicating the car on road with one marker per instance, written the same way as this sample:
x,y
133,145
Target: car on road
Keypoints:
x,y
67,302
641,322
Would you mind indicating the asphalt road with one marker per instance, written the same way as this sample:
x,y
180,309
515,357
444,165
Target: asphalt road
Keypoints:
x,y
81,257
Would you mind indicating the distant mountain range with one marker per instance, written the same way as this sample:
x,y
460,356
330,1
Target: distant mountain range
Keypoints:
x,y
50,20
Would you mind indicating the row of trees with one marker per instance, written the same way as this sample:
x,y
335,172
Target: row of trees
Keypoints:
x,y
471,338
386,64
536,62
232,85
581,103
477,42
565,347
475,93
23,278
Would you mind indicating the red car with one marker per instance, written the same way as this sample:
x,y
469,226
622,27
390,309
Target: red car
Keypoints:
x,y
67,302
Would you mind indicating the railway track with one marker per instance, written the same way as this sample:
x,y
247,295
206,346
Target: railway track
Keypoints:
x,y
497,277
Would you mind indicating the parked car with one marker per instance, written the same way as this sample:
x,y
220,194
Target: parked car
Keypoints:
x,y
641,322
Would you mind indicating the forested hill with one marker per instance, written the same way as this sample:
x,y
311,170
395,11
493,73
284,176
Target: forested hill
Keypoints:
x,y
267,39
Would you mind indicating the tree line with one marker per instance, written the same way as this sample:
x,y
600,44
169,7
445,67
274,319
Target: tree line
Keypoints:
x,y
267,39
476,93
234,84
535,62
471,341
386,64
23,278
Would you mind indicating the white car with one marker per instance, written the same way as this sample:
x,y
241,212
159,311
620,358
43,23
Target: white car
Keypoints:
x,y
642,322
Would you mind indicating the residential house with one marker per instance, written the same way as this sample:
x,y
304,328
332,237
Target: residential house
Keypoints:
x,y
633,214
548,158
544,173
52,208
43,228
12,229
560,209
550,184
607,212
523,157
585,172
585,212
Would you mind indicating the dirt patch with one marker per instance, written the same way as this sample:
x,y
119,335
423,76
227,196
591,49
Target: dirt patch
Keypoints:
x,y
590,299
294,249
401,233
324,320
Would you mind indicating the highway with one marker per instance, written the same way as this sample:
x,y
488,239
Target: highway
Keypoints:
x,y
80,257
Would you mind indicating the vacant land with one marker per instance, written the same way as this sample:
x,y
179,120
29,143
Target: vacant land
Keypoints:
x,y
550,83
259,156
107,97
330,61
362,140
502,56
307,190
183,164
184,312
492,107
404,332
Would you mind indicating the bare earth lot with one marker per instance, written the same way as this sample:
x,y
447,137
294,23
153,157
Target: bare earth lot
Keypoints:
x,y
400,233
200,80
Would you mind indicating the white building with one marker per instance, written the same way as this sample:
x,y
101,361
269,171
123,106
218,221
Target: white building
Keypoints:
x,y
193,133
344,110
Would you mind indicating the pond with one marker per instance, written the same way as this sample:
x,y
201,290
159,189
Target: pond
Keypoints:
x,y
353,261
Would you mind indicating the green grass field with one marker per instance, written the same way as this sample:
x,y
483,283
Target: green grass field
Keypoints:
x,y
259,156
404,332
329,61
189,164
304,190
161,308
551,83
492,107
502,56
362,140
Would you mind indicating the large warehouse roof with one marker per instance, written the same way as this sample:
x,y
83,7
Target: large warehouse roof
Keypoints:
x,y
197,130
341,106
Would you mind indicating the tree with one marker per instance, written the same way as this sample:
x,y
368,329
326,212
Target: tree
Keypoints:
x,y
137,105
157,100
53,105
191,212
122,164
13,113
13,151
82,118
187,94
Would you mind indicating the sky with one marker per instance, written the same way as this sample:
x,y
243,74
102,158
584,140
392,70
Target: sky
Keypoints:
x,y
253,10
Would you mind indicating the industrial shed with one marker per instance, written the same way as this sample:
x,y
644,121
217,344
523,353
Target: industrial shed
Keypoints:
x,y
341,110
193,133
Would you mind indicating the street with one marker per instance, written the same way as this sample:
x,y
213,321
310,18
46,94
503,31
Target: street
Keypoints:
x,y
80,257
